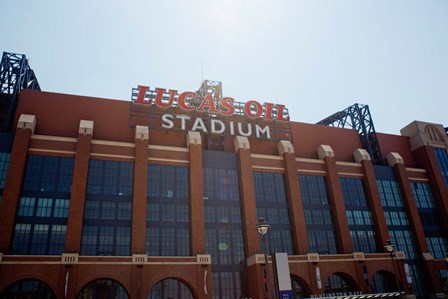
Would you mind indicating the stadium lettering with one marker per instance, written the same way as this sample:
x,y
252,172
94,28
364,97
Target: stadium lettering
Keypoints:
x,y
226,106
215,126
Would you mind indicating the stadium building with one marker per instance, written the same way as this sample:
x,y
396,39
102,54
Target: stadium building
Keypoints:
x,y
164,196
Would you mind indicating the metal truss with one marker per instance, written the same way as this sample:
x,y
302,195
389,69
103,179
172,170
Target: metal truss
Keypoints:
x,y
358,117
15,75
210,87
212,142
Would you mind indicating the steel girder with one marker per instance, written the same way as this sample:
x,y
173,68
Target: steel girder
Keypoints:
x,y
358,117
15,75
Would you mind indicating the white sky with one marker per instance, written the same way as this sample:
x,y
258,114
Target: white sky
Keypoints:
x,y
316,57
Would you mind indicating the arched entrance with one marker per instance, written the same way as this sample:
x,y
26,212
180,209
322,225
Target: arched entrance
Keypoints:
x,y
103,289
384,282
30,288
170,289
340,283
299,288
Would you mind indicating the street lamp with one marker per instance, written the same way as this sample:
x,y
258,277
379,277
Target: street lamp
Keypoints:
x,y
263,229
390,248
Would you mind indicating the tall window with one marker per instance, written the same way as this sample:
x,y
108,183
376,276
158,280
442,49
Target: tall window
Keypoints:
x,y
4,163
396,218
41,222
272,204
398,225
223,227
435,236
359,215
442,157
108,209
318,214
168,217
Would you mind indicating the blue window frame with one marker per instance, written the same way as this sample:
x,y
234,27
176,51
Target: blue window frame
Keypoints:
x,y
442,158
48,174
108,209
38,231
41,222
272,205
4,163
400,231
167,213
359,215
223,225
430,218
318,215
396,218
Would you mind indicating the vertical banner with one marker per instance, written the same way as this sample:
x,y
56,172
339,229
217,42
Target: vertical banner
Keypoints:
x,y
319,282
282,276
408,273
66,284
365,274
205,283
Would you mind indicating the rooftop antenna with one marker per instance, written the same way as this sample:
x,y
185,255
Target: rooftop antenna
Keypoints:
x,y
202,66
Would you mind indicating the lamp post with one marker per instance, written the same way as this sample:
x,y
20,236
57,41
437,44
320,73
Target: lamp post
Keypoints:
x,y
390,248
263,229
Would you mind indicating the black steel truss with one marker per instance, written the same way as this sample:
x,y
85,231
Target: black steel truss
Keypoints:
x,y
15,75
358,117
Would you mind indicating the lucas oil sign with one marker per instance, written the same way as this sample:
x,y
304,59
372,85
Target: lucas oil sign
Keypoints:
x,y
210,114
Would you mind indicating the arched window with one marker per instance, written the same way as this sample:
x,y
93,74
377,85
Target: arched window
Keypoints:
x,y
299,289
31,288
338,283
103,289
434,133
384,282
170,289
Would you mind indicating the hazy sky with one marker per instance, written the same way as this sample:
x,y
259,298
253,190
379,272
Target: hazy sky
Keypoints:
x,y
317,57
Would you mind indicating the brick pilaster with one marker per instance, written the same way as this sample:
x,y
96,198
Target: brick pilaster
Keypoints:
x,y
14,179
296,211
429,160
197,226
373,196
247,193
79,186
415,222
411,207
138,245
344,240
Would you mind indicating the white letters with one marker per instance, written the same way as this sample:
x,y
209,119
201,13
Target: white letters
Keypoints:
x,y
182,121
167,121
216,126
249,130
213,124
199,123
265,130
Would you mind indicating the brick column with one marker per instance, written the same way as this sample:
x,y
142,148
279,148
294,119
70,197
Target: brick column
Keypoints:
x,y
79,186
255,278
427,157
138,245
296,212
197,226
138,240
373,196
336,200
395,160
247,193
14,179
